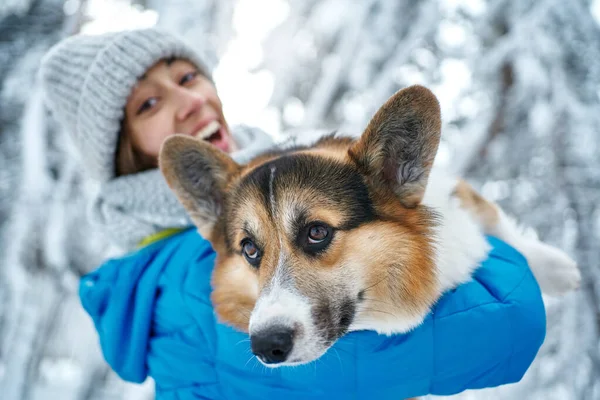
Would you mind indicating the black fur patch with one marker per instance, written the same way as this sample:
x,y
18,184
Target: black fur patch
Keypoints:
x,y
333,322
347,311
339,182
361,296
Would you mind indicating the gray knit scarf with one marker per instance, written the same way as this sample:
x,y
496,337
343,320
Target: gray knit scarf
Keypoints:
x,y
132,207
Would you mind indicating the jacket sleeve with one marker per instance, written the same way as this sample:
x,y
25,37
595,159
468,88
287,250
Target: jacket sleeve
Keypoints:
x,y
120,297
494,341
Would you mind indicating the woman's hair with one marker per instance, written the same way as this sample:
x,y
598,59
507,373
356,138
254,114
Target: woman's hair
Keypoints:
x,y
127,160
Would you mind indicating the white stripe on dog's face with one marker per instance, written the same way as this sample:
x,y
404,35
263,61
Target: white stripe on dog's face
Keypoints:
x,y
281,305
271,192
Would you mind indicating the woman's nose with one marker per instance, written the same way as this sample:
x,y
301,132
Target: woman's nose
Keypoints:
x,y
190,102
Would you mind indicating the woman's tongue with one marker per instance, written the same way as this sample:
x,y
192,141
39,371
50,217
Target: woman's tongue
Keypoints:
x,y
219,140
215,135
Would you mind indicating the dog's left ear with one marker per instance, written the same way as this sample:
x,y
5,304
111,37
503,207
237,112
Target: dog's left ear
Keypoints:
x,y
198,173
400,143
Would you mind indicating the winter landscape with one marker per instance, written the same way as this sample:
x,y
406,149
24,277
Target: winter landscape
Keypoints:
x,y
519,86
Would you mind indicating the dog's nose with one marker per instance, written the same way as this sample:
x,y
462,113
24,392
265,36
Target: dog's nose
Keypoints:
x,y
272,345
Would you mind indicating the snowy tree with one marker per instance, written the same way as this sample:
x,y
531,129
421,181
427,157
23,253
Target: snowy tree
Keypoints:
x,y
40,194
539,159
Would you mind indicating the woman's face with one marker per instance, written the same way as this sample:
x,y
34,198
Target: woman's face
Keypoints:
x,y
173,97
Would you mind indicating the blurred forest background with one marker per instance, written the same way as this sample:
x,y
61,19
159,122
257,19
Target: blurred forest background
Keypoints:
x,y
519,86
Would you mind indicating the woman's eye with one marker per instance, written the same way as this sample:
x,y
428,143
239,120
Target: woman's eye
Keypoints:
x,y
147,105
251,252
317,234
190,76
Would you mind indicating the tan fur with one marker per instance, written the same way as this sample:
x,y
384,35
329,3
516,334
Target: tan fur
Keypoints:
x,y
398,267
236,290
334,153
246,211
331,147
482,210
236,287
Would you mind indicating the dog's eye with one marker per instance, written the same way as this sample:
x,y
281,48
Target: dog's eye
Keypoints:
x,y
251,252
317,234
314,237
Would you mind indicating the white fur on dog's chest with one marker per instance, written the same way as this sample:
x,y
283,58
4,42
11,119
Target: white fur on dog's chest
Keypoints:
x,y
460,243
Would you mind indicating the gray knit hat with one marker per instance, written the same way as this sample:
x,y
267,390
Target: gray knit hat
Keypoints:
x,y
87,80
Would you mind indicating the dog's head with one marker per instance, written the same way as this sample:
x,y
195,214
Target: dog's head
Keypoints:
x,y
312,242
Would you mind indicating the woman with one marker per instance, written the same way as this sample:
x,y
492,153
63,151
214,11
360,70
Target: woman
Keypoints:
x,y
120,95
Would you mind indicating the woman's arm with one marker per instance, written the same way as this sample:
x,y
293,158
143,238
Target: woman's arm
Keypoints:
x,y
155,317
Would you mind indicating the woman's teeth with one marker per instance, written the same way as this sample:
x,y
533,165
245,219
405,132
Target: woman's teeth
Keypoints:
x,y
210,129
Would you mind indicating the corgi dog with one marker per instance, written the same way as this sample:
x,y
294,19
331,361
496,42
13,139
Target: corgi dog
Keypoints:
x,y
346,234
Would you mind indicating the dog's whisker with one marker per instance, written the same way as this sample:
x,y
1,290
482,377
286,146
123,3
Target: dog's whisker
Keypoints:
x,y
250,359
338,357
375,284
245,315
343,351
380,311
379,301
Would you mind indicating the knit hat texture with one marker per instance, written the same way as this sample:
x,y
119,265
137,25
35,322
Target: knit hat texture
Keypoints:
x,y
86,82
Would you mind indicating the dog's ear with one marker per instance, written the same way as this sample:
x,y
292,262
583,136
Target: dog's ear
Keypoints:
x,y
198,173
400,143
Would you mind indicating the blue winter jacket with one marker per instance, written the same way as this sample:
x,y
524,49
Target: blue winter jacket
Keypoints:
x,y
154,318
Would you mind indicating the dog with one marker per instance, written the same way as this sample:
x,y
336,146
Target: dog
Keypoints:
x,y
347,234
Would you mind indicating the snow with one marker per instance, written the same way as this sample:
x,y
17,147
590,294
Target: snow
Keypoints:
x,y
16,7
114,16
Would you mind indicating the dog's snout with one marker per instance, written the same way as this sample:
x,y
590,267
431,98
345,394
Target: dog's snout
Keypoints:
x,y
273,345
